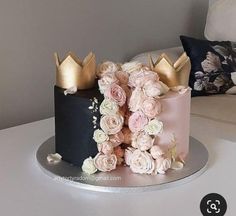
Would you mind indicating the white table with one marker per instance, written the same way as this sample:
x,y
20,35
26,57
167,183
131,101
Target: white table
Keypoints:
x,y
26,190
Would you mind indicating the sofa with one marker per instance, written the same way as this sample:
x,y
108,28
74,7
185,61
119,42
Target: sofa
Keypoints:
x,y
220,25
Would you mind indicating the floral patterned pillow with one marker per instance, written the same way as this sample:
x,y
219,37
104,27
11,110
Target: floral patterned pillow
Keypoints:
x,y
213,66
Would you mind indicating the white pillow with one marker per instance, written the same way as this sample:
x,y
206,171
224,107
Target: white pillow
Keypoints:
x,y
220,24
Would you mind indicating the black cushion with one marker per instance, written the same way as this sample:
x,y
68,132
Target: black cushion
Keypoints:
x,y
212,64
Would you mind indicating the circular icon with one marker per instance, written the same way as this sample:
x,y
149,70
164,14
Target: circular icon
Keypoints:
x,y
213,204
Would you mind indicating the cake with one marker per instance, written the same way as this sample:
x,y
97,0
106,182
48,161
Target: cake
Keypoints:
x,y
122,114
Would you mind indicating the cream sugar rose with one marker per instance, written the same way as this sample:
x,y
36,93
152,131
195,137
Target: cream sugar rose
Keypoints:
x,y
140,121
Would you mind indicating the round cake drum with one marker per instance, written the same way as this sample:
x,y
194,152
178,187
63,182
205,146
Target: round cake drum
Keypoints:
x,y
122,179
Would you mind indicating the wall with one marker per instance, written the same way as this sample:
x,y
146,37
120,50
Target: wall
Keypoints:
x,y
30,31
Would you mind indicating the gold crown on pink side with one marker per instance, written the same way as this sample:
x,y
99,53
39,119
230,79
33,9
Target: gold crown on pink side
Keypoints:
x,y
71,71
172,74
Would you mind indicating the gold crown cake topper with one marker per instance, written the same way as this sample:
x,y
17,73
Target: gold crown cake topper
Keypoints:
x,y
172,74
73,72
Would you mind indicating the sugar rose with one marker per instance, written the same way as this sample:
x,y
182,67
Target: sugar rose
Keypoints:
x,y
108,107
154,127
99,136
116,93
111,124
108,79
105,163
139,78
162,165
141,162
105,147
136,100
151,107
143,142
155,88
137,121
106,67
88,166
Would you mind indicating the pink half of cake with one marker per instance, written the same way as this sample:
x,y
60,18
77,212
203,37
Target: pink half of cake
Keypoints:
x,y
175,116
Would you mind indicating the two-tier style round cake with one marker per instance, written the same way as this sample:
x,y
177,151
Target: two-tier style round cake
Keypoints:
x,y
122,114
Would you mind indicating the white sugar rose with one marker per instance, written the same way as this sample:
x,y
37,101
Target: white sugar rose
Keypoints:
x,y
108,79
154,127
130,67
155,88
156,151
128,154
108,107
111,124
105,163
106,67
162,165
143,141
151,107
142,162
99,136
136,100
88,166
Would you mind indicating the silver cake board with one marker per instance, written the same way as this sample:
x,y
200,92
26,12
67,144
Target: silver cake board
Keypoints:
x,y
122,179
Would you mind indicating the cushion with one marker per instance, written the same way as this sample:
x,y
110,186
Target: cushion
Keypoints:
x,y
217,107
220,24
174,53
213,65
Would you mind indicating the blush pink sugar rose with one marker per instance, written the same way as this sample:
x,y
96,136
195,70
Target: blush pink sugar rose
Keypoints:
x,y
151,107
112,124
105,147
136,100
137,121
139,78
105,163
142,141
116,93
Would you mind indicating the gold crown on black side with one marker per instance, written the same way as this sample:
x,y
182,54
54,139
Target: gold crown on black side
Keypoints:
x,y
71,71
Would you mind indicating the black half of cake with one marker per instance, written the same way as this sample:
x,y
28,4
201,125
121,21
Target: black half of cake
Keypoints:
x,y
76,118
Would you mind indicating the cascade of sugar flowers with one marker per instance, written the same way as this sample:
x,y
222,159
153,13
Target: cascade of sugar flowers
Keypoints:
x,y
130,112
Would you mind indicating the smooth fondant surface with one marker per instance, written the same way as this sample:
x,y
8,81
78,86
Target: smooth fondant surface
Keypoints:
x,y
175,116
74,125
